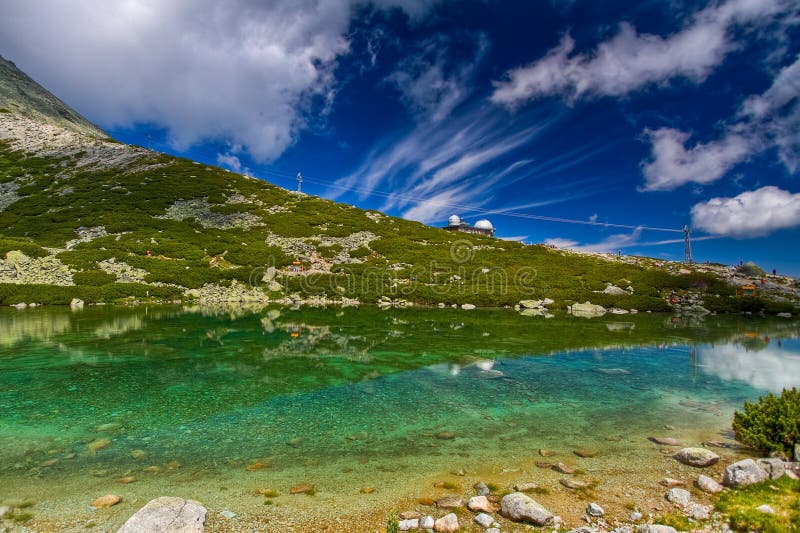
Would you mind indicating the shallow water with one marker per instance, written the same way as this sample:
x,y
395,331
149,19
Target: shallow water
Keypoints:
x,y
351,398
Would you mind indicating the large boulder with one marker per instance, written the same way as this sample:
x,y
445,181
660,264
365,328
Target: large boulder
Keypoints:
x,y
521,508
587,310
614,290
167,515
699,457
743,473
773,466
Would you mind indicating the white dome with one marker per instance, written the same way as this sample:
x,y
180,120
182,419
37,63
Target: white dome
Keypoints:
x,y
453,220
483,224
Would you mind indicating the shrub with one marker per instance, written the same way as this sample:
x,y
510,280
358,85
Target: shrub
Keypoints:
x,y
95,278
772,424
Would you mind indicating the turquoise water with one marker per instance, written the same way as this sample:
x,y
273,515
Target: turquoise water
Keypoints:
x,y
353,397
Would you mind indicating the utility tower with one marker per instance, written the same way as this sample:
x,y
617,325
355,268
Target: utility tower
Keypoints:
x,y
299,182
687,245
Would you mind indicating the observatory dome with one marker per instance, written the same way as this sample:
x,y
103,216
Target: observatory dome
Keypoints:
x,y
484,224
453,220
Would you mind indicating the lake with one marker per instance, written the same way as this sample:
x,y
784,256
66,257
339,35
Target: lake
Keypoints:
x,y
373,407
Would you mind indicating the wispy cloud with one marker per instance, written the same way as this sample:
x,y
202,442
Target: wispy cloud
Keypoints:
x,y
765,121
631,60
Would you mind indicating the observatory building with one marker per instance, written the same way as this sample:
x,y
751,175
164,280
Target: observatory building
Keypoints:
x,y
481,227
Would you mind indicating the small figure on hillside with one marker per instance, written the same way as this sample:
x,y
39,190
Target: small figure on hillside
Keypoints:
x,y
774,272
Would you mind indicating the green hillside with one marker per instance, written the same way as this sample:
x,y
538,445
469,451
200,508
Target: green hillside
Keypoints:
x,y
82,216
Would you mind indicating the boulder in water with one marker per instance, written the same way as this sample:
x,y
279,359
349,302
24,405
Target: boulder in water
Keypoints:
x,y
167,514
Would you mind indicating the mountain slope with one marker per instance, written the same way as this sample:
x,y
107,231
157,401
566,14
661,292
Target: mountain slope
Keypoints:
x,y
19,93
87,217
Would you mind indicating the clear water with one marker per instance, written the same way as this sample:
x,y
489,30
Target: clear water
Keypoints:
x,y
350,398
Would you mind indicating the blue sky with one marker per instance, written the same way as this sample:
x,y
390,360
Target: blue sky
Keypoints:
x,y
655,114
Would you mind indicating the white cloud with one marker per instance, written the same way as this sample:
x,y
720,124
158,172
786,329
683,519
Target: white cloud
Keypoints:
x,y
750,214
673,165
769,120
610,244
232,162
630,60
559,242
242,71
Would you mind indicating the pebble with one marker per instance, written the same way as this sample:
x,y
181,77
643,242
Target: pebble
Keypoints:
x,y
126,480
564,469
426,522
585,452
484,520
666,441
480,503
408,524
106,501
525,487
227,514
452,502
765,509
138,454
446,524
410,515
635,516
669,482
445,435
546,453
98,444
303,488
679,496
706,484
482,488
595,510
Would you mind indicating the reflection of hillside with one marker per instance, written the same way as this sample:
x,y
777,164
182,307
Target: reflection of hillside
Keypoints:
x,y
119,326
303,340
769,368
32,325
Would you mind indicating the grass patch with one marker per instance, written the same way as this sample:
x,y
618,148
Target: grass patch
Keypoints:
x,y
783,495
676,520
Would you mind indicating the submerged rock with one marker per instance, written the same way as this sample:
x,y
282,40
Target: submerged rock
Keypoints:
x,y
522,508
699,457
563,469
109,500
743,473
666,441
303,488
481,488
167,515
585,453
587,310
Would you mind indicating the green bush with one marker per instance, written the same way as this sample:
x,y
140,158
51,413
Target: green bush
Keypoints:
x,y
772,424
95,278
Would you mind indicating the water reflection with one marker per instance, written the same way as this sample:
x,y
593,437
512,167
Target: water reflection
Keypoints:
x,y
768,367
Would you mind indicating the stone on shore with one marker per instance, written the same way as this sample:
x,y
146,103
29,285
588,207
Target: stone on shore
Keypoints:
x,y
743,473
595,510
679,496
484,520
426,522
773,466
481,488
76,303
699,457
167,514
585,453
706,484
446,524
109,500
468,307
525,487
669,482
655,528
480,503
563,469
520,507
587,310
450,502
408,524
573,484
303,488
410,515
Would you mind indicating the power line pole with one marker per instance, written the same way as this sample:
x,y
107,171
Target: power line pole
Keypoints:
x,y
687,245
299,182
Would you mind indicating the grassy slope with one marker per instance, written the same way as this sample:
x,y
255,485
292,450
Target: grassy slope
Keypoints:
x,y
129,202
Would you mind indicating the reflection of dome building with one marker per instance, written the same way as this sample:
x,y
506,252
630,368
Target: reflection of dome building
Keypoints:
x,y
481,227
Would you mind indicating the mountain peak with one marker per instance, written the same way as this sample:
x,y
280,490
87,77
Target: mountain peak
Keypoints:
x,y
19,93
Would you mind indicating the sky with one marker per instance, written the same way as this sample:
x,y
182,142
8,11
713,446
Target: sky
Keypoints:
x,y
634,118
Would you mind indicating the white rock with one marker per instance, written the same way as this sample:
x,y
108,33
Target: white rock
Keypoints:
x,y
595,510
587,310
480,503
743,473
635,516
407,525
484,520
227,514
765,509
426,522
697,511
167,513
522,508
679,496
699,457
76,303
655,528
467,307
4,510
706,484
446,524
773,466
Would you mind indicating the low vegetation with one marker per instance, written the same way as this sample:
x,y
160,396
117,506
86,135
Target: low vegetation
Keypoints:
x,y
781,495
772,424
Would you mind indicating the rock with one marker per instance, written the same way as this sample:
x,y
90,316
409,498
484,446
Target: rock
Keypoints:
x,y
669,482
460,472
697,511
525,487
126,480
635,516
481,488
773,466
408,524
303,488
679,496
595,510
573,483
546,453
445,435
255,467
531,304
765,509
587,310
451,502
666,441
466,307
410,515
447,524
366,490
584,452
699,457
564,469
97,445
167,514
521,508
426,522
784,315
138,454
706,484
655,528
484,520
493,530
480,503
76,303
109,500
4,510
227,514
743,473
614,290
